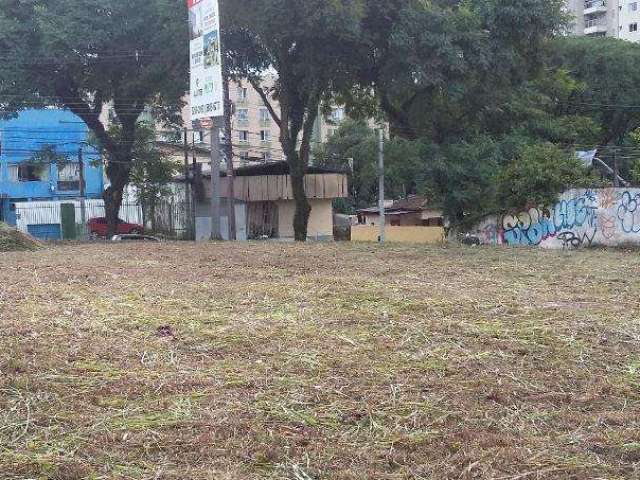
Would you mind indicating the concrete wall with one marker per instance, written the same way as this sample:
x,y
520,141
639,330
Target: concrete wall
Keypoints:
x,y
427,235
320,221
581,218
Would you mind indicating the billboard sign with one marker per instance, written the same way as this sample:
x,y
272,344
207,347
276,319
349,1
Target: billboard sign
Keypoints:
x,y
207,98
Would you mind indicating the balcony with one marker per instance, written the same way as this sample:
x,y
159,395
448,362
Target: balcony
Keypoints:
x,y
595,29
594,7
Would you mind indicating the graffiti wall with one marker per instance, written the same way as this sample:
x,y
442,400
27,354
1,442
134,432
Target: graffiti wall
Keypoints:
x,y
581,218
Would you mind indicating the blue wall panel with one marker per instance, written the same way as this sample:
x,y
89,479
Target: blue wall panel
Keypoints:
x,y
27,134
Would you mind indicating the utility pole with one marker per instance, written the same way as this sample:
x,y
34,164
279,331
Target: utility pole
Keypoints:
x,y
381,183
83,191
616,169
215,182
231,203
187,184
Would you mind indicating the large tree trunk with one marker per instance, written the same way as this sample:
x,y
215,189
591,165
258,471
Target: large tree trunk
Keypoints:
x,y
297,168
118,172
112,202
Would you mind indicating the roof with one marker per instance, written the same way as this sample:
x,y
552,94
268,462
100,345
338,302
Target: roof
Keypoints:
x,y
279,168
411,204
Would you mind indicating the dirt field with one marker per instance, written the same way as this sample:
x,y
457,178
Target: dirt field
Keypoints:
x,y
268,361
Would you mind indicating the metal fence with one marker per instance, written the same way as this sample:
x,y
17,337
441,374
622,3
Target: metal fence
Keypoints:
x,y
73,220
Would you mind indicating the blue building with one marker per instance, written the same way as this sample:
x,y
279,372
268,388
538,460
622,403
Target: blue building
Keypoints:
x,y
25,178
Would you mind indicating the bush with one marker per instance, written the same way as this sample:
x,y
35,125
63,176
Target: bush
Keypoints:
x,y
538,175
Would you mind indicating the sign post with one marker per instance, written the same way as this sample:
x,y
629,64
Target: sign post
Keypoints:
x,y
207,93
207,99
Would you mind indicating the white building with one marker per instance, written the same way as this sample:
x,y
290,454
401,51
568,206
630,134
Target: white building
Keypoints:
x,y
606,18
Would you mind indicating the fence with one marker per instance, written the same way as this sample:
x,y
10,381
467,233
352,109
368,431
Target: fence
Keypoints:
x,y
71,220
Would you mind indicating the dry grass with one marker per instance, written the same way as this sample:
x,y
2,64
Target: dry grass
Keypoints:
x,y
12,240
267,361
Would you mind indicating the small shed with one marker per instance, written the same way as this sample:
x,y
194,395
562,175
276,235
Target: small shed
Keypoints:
x,y
264,203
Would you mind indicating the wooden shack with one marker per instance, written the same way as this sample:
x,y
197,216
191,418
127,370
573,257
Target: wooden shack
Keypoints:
x,y
264,203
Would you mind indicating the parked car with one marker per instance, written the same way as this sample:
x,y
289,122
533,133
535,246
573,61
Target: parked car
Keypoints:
x,y
98,227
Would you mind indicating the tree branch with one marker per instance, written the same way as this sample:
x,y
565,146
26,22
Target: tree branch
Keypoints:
x,y
398,118
89,116
265,99
307,127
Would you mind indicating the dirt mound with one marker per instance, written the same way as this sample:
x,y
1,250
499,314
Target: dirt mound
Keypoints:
x,y
13,240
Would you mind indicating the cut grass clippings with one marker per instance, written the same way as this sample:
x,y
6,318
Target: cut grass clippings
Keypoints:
x,y
338,361
12,240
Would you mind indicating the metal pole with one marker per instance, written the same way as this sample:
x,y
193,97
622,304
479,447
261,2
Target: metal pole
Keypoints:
x,y
83,192
616,169
228,132
187,186
381,183
215,183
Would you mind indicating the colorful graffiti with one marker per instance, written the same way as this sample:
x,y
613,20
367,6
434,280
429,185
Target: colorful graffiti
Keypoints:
x,y
537,225
581,218
629,212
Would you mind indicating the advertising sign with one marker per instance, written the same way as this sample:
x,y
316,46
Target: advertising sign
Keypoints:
x,y
206,59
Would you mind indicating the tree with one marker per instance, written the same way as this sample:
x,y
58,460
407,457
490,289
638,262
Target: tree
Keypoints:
x,y
355,144
106,54
151,172
437,68
608,70
472,174
311,45
537,174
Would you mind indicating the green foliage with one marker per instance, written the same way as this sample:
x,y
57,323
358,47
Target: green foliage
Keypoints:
x,y
538,174
463,175
48,155
355,144
152,170
312,45
634,168
608,71
438,67
128,56
485,176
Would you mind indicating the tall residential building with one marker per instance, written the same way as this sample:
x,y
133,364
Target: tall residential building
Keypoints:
x,y
605,18
255,135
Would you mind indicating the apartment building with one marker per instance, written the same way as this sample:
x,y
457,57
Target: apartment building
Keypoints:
x,y
605,18
255,135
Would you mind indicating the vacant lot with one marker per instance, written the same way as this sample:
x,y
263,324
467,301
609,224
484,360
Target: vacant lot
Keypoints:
x,y
266,361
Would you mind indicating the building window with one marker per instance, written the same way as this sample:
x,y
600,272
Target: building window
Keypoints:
x,y
265,116
243,136
69,177
244,156
633,7
265,135
243,114
29,172
337,114
633,27
266,156
243,94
